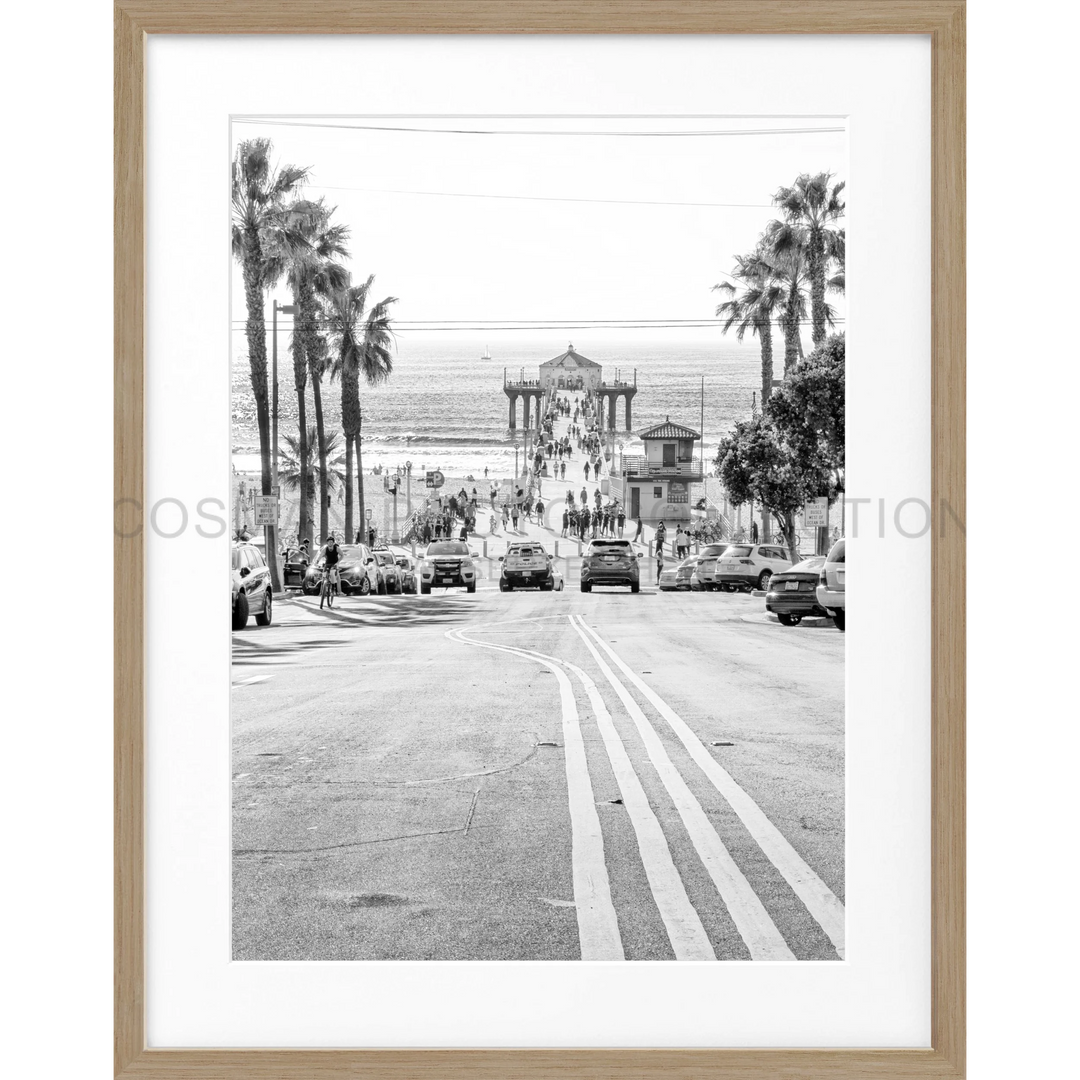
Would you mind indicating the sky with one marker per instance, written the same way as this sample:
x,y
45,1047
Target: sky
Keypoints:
x,y
545,219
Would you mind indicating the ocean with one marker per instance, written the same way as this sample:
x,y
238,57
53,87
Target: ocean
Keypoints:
x,y
443,407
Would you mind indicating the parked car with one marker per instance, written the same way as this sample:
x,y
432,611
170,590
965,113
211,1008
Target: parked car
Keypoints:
x,y
610,562
526,565
750,566
792,593
830,589
666,582
251,589
387,572
407,570
684,573
448,564
356,571
706,566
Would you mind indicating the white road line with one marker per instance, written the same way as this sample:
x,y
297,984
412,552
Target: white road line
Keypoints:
x,y
688,937
753,922
598,926
820,900
252,679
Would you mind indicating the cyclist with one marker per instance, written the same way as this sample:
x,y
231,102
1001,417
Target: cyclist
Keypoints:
x,y
331,558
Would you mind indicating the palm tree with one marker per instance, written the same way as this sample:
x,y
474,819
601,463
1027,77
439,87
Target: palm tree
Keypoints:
x,y
754,309
789,267
258,194
811,209
312,273
362,343
298,469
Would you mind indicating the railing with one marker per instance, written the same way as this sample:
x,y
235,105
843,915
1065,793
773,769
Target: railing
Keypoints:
x,y
651,470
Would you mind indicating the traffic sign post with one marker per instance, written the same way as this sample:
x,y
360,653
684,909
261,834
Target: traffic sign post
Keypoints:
x,y
434,479
816,514
266,510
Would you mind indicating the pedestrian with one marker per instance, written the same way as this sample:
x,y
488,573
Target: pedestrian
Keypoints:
x,y
485,472
621,518
539,511
371,536
586,472
562,470
565,520
505,515
661,533
640,529
514,515
659,559
584,521
584,496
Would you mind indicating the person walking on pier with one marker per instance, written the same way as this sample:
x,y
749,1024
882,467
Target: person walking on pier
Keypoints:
x,y
640,529
586,472
621,520
584,496
562,470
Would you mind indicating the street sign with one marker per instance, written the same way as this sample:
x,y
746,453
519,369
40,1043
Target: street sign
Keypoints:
x,y
816,514
266,510
434,479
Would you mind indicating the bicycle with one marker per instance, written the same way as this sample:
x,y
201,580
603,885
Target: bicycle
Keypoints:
x,y
328,586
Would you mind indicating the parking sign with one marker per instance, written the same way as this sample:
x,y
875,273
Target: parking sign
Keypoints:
x,y
816,514
266,510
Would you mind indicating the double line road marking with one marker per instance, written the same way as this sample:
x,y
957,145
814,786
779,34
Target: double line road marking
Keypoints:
x,y
597,924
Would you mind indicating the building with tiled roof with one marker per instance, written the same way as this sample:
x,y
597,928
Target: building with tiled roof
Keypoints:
x,y
656,484
570,371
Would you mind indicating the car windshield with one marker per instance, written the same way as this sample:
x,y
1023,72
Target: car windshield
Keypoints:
x,y
350,552
525,549
611,545
237,562
384,558
714,549
403,562
448,547
737,551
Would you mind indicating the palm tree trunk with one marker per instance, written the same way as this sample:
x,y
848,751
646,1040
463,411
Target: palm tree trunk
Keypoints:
x,y
361,510
256,340
320,429
791,342
300,378
816,261
349,534
765,335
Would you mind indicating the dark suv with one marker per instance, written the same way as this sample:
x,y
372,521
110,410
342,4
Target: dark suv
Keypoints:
x,y
610,562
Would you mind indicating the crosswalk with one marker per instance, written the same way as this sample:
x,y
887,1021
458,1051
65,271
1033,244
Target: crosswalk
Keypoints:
x,y
637,765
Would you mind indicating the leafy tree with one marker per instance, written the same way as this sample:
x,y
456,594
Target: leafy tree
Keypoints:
x,y
259,192
809,412
811,209
753,463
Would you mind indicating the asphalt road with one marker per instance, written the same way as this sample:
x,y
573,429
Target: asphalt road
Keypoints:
x,y
537,776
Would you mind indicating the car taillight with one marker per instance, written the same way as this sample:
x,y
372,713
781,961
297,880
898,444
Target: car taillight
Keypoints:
x,y
823,578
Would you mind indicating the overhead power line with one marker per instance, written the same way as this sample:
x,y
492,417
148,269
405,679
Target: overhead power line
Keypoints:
x,y
494,131
539,198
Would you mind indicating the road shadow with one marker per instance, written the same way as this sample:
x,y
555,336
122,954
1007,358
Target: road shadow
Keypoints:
x,y
397,611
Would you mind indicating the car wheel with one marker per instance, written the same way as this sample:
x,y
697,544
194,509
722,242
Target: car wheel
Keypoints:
x,y
838,618
266,616
585,587
471,588
240,612
425,589
635,587
364,587
382,587
764,579
789,620
308,590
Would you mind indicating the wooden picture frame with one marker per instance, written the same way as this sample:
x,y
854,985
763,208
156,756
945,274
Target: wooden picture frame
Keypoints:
x,y
944,22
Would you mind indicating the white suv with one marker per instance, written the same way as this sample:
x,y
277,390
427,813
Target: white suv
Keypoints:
x,y
750,566
830,590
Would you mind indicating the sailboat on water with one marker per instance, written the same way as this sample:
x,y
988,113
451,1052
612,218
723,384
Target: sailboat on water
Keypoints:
x,y
486,354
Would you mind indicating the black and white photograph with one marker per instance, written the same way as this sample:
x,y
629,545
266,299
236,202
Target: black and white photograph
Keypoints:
x,y
538,537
